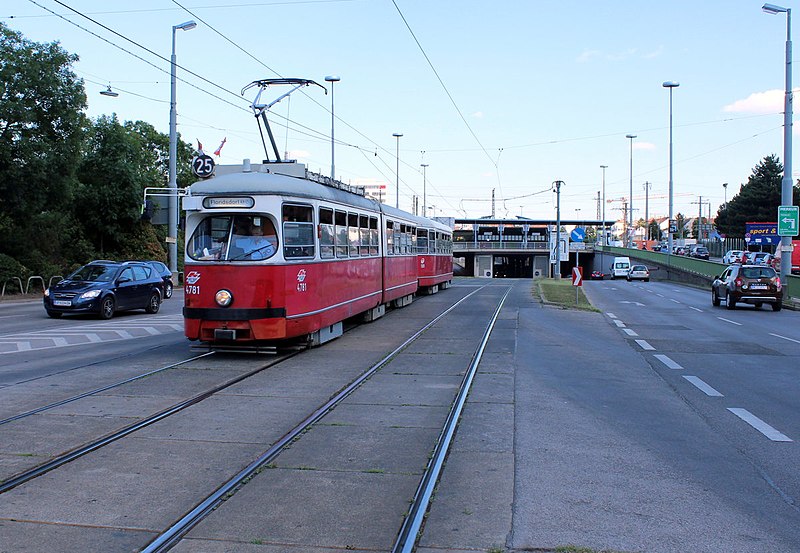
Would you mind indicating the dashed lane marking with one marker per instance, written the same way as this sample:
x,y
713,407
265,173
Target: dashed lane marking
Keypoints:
x,y
703,386
619,323
785,338
644,345
667,361
629,332
611,316
759,425
675,301
696,309
729,321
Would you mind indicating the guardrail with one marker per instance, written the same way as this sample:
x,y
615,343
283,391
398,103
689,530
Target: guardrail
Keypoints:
x,y
696,267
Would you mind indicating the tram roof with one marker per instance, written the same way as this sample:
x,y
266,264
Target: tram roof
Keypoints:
x,y
534,222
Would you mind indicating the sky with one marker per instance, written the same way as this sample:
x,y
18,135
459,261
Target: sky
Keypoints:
x,y
499,99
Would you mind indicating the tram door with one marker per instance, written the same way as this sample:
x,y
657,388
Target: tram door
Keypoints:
x,y
483,266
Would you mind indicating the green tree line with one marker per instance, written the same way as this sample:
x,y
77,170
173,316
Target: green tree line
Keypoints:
x,y
71,187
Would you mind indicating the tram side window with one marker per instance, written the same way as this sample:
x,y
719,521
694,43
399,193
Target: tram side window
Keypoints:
x,y
341,234
352,233
389,237
363,235
422,240
326,231
373,236
298,231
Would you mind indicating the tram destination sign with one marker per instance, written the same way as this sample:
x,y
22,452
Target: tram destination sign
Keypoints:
x,y
788,220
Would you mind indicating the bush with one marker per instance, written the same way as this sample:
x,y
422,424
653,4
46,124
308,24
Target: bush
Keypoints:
x,y
10,268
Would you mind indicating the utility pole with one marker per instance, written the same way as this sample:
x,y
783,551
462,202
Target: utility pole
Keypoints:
x,y
647,186
492,203
557,270
699,203
598,204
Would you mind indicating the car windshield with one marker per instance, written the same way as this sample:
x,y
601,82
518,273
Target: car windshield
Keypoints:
x,y
94,273
639,268
758,272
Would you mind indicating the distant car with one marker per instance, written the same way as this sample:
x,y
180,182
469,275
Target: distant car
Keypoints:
x,y
105,287
681,250
700,252
597,275
732,256
165,274
753,284
762,258
656,247
638,272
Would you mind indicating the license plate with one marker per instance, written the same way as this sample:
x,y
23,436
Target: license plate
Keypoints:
x,y
758,286
62,303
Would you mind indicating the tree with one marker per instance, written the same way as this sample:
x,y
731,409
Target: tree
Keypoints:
x,y
653,230
680,222
757,200
41,125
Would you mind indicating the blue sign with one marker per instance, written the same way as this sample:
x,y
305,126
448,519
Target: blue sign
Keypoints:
x,y
578,234
762,234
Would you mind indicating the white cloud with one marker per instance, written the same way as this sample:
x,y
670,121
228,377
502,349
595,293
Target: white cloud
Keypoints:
x,y
770,101
298,154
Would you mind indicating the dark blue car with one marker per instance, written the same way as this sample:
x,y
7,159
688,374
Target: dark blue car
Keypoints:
x,y
105,287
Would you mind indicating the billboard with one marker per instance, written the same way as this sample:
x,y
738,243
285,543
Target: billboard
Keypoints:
x,y
761,234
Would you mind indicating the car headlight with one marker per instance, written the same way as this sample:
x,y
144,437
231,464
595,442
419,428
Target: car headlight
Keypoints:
x,y
47,293
223,298
90,294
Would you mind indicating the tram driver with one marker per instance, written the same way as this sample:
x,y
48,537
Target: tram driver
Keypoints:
x,y
259,241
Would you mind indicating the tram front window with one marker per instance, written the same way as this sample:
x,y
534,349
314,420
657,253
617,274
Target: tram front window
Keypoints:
x,y
233,238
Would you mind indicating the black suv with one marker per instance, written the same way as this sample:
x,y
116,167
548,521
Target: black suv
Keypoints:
x,y
754,284
105,287
700,252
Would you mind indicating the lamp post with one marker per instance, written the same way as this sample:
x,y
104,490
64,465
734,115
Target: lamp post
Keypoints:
x,y
424,189
670,85
605,236
397,135
630,197
172,230
332,79
725,190
786,182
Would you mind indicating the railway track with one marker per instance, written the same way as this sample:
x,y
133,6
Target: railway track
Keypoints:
x,y
244,385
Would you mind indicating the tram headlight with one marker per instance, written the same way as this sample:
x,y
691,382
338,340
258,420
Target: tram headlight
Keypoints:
x,y
223,298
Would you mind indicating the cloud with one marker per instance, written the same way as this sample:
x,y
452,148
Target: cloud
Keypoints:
x,y
770,101
298,154
478,115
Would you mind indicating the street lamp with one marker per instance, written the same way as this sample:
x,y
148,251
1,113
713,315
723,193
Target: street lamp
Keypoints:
x,y
424,189
670,85
630,200
172,230
332,79
786,182
397,135
605,236
725,189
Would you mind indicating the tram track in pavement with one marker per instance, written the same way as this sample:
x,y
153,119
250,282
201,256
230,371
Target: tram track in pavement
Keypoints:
x,y
71,474
411,528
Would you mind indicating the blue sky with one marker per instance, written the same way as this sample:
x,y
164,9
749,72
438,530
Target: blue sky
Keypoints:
x,y
543,91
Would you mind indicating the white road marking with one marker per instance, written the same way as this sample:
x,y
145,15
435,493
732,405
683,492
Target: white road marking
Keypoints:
x,y
729,321
619,323
645,345
660,295
705,388
785,338
759,425
629,332
676,301
667,361
696,309
611,316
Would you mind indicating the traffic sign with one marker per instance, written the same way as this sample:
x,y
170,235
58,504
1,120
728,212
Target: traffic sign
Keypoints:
x,y
203,166
577,276
788,220
578,234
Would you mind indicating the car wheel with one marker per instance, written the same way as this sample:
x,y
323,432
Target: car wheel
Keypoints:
x,y
757,305
107,308
154,303
714,298
54,314
168,290
647,280
730,303
777,306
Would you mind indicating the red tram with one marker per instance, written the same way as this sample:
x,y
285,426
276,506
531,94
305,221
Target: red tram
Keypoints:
x,y
275,252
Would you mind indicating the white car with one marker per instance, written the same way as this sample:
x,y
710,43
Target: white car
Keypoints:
x,y
639,272
732,256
